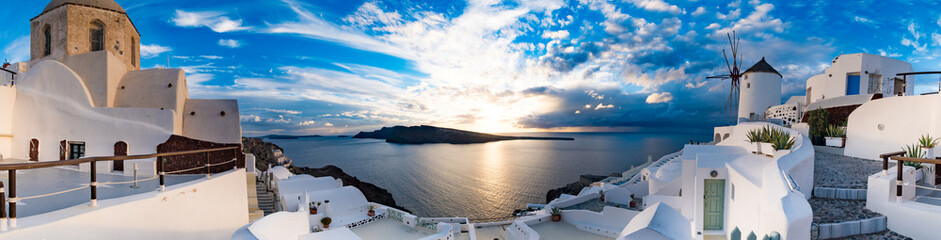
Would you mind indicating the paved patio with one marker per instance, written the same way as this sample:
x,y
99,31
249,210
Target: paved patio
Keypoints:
x,y
563,231
388,229
839,171
41,181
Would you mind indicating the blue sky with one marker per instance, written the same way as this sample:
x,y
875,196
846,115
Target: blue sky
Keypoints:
x,y
342,66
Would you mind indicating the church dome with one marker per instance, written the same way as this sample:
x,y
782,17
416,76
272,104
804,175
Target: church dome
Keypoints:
x,y
103,4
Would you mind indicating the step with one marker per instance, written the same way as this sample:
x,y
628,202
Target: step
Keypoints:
x,y
851,228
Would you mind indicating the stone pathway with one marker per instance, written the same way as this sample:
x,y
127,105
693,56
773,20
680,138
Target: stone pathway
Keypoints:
x,y
836,210
838,171
879,236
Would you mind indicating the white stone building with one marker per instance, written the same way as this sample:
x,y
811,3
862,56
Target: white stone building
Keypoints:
x,y
860,73
788,113
82,93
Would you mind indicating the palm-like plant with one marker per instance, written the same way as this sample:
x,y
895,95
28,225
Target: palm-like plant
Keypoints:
x,y
926,141
913,151
778,138
556,211
836,131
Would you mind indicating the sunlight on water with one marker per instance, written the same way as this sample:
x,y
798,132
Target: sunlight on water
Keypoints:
x,y
486,180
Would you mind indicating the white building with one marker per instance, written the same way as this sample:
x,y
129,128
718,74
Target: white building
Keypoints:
x,y
83,93
760,89
788,113
860,73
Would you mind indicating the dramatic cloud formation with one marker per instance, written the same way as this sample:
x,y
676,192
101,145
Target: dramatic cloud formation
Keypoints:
x,y
337,67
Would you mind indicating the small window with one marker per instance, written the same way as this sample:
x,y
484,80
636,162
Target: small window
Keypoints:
x,y
96,35
747,85
76,150
46,40
133,51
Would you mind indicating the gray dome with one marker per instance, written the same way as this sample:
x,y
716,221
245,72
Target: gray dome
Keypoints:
x,y
103,4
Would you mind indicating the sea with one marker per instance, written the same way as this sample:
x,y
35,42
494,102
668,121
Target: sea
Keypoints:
x,y
484,181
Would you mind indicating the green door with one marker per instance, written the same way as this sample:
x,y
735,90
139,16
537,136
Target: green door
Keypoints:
x,y
714,204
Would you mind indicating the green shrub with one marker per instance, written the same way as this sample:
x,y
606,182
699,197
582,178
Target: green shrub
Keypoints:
x,y
556,211
913,151
818,119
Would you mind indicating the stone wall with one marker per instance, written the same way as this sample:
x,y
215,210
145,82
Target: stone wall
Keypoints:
x,y
70,25
178,143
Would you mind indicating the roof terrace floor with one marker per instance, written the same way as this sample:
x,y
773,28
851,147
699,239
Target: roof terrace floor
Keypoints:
x,y
35,182
563,231
388,229
491,233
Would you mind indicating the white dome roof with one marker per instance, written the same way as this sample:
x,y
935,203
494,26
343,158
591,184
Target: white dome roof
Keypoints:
x,y
103,4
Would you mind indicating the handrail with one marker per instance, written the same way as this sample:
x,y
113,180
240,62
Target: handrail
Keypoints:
x,y
93,183
885,158
901,164
20,166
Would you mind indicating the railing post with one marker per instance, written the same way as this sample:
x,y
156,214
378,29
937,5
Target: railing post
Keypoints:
x,y
898,189
12,200
3,210
94,183
207,166
161,172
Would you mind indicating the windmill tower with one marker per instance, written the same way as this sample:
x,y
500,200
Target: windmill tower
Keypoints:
x,y
760,89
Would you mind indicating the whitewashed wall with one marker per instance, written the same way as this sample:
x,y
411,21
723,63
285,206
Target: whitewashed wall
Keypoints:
x,y
214,120
52,105
903,120
7,101
832,83
200,209
759,91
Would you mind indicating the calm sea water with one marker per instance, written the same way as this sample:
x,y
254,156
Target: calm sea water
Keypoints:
x,y
482,181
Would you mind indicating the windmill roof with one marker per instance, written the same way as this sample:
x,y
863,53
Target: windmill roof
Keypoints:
x,y
762,66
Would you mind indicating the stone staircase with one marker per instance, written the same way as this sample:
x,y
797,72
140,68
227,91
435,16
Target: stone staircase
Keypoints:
x,y
265,199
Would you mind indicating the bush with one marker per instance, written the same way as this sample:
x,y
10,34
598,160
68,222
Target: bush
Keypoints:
x,y
818,120
836,131
326,221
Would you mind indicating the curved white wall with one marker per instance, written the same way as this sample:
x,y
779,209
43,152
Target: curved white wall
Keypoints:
x,y
759,91
53,105
903,120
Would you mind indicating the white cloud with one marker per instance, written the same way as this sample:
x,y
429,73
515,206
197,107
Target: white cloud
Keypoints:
x,y
152,50
306,123
283,111
198,78
588,106
561,34
862,19
250,118
659,97
280,119
210,57
886,54
211,19
603,106
328,124
657,6
578,111
18,50
733,14
713,26
758,20
230,43
699,11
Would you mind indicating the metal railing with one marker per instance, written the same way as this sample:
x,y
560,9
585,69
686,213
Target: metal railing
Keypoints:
x,y
93,183
12,76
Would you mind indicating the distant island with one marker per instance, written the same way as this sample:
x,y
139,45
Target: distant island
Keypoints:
x,y
274,136
431,134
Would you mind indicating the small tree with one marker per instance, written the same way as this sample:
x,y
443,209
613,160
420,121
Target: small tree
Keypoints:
x,y
818,120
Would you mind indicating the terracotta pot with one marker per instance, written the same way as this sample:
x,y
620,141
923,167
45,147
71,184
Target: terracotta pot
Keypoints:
x,y
556,218
633,204
313,211
326,226
371,213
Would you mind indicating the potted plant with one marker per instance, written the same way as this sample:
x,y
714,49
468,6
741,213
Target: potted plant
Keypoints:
x,y
633,203
927,144
556,214
914,151
836,136
326,222
313,207
372,211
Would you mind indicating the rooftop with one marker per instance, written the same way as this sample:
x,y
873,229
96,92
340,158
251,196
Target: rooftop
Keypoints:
x,y
762,66
563,231
389,229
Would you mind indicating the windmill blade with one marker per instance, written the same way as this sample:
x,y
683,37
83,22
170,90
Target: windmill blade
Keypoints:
x,y
727,62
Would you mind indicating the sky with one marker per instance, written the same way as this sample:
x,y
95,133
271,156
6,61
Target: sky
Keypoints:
x,y
342,66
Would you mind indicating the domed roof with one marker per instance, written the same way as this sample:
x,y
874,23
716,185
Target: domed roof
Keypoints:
x,y
103,4
762,66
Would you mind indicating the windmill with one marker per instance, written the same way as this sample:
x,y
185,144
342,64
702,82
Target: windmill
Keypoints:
x,y
734,75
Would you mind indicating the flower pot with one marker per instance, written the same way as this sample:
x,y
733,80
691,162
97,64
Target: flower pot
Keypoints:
x,y
766,149
556,218
919,174
818,140
751,147
326,226
633,204
929,152
837,142
371,213
313,211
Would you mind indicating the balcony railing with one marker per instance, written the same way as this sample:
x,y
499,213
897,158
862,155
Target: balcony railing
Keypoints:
x,y
93,183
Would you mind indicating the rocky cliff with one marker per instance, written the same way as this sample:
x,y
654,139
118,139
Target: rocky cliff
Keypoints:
x,y
575,187
264,155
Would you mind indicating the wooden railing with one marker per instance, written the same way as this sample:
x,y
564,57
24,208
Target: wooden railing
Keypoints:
x,y
885,168
93,184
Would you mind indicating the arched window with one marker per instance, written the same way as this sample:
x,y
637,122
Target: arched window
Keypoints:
x,y
120,149
96,36
46,40
34,150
